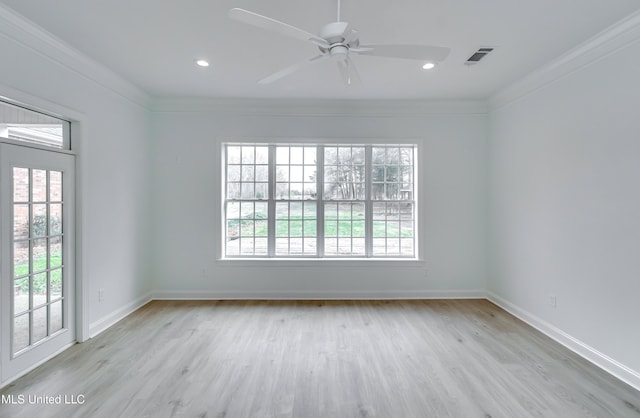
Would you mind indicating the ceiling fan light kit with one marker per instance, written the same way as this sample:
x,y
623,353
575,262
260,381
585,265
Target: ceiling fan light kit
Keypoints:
x,y
337,40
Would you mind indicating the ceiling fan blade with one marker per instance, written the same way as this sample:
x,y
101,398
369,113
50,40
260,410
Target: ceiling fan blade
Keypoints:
x,y
410,52
273,25
349,73
291,69
351,37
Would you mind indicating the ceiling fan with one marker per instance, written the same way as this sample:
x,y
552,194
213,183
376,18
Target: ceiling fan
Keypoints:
x,y
337,41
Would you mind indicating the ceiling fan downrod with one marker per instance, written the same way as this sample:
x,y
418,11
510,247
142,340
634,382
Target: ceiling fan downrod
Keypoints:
x,y
338,18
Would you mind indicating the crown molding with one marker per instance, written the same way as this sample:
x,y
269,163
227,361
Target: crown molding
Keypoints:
x,y
319,107
29,35
611,40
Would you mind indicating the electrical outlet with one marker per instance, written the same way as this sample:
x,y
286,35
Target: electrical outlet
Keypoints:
x,y
553,301
100,295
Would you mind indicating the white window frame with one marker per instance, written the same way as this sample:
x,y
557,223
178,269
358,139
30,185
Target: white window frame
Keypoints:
x,y
320,202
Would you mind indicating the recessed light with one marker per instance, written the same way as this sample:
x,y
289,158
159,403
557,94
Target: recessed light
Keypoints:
x,y
428,66
202,63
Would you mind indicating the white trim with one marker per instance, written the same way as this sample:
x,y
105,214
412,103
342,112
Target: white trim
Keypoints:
x,y
320,140
317,294
117,315
79,145
321,262
35,146
28,34
589,353
598,47
320,201
320,107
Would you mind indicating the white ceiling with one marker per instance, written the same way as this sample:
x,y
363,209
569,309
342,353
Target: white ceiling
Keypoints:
x,y
153,43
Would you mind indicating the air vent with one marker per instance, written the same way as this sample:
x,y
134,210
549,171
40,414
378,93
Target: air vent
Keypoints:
x,y
478,55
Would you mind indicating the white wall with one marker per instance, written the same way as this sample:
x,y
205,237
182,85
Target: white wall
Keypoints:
x,y
112,140
563,165
187,141
565,204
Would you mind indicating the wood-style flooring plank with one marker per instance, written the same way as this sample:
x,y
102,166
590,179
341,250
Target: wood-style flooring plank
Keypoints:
x,y
433,358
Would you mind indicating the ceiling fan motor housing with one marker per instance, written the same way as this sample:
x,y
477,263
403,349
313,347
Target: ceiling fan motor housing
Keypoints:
x,y
334,34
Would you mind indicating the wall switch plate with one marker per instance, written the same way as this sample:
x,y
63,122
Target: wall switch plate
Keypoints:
x,y
100,295
553,301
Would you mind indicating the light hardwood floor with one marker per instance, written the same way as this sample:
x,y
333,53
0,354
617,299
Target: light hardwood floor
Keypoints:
x,y
436,358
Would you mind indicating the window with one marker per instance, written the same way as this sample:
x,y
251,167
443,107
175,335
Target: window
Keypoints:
x,y
24,125
316,201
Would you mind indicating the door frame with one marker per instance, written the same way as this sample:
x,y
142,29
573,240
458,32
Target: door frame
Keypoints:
x,y
79,148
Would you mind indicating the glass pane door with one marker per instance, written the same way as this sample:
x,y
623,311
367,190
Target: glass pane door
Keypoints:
x,y
37,259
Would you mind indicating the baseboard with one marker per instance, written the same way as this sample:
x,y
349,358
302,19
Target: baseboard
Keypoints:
x,y
599,359
104,323
316,295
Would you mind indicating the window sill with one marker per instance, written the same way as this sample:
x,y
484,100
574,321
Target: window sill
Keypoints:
x,y
321,262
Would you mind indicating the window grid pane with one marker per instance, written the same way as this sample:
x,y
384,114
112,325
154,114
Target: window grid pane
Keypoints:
x,y
247,172
393,229
296,232
344,173
392,173
246,232
344,229
296,172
